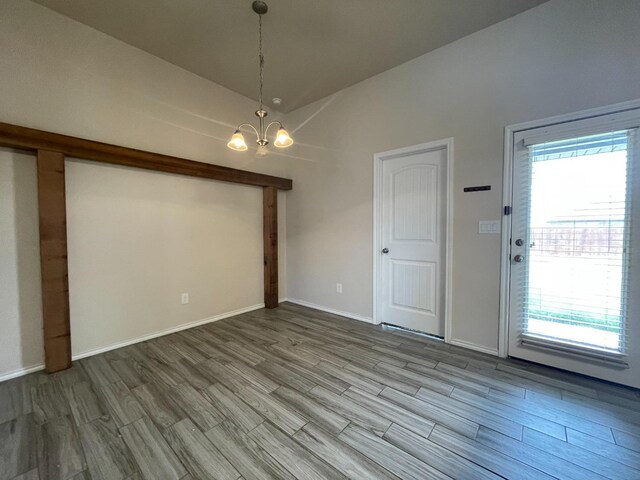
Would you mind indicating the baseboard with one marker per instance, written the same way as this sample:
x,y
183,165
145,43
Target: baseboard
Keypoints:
x,y
89,353
330,310
474,346
21,371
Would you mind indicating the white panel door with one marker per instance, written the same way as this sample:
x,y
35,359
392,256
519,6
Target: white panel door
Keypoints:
x,y
413,241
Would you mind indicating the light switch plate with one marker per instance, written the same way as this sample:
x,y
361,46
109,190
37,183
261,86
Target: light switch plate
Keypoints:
x,y
489,226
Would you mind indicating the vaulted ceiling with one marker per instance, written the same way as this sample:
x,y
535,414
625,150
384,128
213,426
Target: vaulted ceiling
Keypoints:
x,y
312,48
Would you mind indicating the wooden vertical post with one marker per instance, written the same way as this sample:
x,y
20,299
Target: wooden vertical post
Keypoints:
x,y
53,260
270,234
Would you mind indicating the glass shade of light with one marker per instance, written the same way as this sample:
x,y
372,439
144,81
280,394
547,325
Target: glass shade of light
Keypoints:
x,y
237,142
283,139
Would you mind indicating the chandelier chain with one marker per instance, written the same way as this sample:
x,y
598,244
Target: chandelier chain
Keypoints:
x,y
260,56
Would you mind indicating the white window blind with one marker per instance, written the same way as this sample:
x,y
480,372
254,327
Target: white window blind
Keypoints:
x,y
578,236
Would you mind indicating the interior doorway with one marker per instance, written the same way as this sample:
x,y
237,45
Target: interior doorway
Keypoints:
x,y
412,237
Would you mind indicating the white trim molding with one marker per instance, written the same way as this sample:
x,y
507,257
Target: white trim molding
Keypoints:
x,y
353,316
21,371
474,346
378,158
89,353
507,192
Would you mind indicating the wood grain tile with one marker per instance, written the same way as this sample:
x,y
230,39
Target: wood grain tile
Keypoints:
x,y
162,374
126,370
234,350
192,375
107,455
312,409
478,379
382,378
84,403
17,446
320,378
99,370
602,465
351,410
155,460
581,424
490,459
197,453
413,377
198,408
536,458
219,373
351,378
270,407
391,411
389,456
249,458
297,393
60,453
49,401
15,398
413,358
473,413
438,457
121,403
233,408
158,405
188,352
521,417
299,461
432,412
252,376
540,378
627,440
30,475
344,458
285,376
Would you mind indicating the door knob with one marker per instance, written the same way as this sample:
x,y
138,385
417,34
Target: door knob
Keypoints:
x,y
385,250
518,258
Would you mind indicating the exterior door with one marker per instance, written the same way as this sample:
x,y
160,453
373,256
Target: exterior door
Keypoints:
x,y
574,266
413,240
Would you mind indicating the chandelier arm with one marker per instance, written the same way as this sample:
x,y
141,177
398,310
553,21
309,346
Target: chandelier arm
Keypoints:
x,y
252,127
272,123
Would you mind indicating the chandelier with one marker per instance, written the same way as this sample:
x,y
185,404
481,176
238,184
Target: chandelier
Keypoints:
x,y
282,139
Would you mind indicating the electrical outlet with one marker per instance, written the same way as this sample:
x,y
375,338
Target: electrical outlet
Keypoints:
x,y
185,298
339,287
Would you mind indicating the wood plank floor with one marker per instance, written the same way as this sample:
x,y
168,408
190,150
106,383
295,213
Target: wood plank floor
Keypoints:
x,y
296,393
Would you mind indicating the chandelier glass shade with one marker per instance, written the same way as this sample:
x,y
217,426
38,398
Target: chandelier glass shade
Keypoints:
x,y
282,139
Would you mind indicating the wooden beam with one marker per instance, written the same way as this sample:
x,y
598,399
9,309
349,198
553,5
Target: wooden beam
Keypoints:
x,y
53,261
14,136
51,149
270,233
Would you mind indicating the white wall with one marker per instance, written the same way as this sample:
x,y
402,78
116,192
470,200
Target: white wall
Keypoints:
x,y
137,239
563,56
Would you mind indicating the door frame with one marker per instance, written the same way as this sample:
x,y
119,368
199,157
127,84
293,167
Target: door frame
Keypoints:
x,y
507,192
378,158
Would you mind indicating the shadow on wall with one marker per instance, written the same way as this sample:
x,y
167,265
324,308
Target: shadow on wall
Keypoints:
x,y
28,296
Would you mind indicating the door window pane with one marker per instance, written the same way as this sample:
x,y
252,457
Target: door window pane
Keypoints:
x,y
578,228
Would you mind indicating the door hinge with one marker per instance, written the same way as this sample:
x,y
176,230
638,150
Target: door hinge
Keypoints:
x,y
507,210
